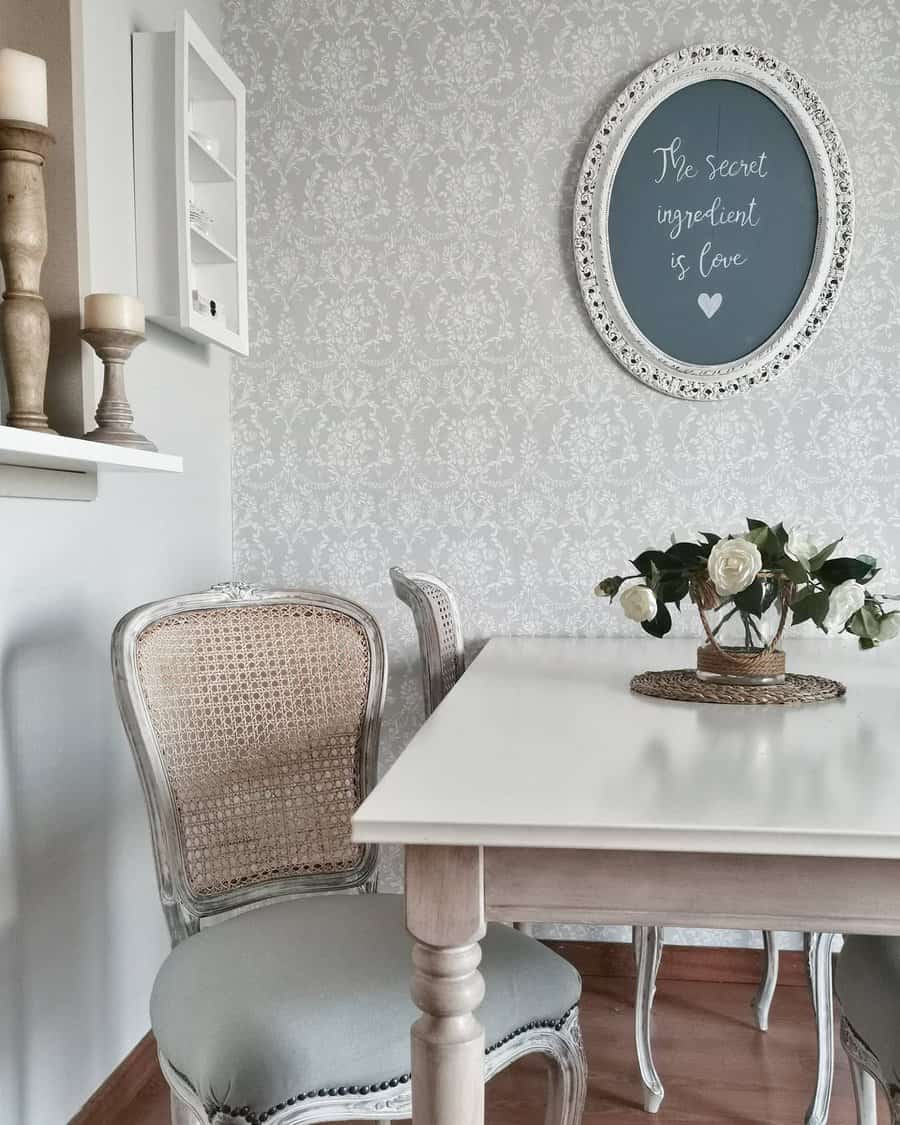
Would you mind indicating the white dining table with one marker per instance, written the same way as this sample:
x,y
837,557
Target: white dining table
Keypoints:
x,y
542,789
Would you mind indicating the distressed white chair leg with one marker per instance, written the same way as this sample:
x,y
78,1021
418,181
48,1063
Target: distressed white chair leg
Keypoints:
x,y
763,999
636,950
567,1084
648,946
866,1077
181,1114
657,960
818,949
864,1093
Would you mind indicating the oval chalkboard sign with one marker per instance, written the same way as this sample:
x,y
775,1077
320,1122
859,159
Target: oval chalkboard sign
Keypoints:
x,y
713,221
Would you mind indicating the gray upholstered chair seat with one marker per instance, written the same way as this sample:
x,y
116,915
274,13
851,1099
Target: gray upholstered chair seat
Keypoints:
x,y
313,994
867,982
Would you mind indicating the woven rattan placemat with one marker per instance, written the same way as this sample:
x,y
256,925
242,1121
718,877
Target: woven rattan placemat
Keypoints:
x,y
682,684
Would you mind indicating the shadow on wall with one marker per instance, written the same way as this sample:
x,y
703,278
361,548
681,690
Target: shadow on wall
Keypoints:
x,y
54,805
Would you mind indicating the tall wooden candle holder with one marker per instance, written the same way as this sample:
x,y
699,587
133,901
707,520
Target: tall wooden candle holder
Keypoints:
x,y
114,414
24,323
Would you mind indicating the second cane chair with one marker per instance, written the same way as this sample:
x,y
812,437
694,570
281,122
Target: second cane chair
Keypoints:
x,y
442,651
254,718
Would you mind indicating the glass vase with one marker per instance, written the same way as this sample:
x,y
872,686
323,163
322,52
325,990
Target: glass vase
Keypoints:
x,y
743,633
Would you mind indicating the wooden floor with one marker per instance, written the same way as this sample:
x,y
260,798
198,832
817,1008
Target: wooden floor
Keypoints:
x,y
716,1067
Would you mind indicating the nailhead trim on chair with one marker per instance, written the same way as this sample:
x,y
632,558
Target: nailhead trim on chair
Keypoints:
x,y
341,1091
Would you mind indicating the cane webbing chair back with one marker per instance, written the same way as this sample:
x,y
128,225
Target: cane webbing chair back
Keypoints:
x,y
254,718
438,625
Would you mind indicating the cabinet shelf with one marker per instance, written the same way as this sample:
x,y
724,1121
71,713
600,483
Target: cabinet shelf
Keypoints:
x,y
206,168
183,90
206,251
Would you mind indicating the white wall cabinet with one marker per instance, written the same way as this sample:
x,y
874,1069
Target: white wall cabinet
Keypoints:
x,y
190,188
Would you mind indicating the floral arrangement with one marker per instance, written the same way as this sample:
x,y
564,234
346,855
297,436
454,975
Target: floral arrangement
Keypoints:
x,y
746,574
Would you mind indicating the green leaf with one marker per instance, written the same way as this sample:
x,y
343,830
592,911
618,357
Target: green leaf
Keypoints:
x,y
768,543
793,570
836,571
758,535
780,534
867,643
688,554
770,588
756,525
822,556
660,624
711,538
812,607
751,599
673,588
646,560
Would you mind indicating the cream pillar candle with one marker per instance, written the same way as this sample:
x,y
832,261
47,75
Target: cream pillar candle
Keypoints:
x,y
23,87
114,310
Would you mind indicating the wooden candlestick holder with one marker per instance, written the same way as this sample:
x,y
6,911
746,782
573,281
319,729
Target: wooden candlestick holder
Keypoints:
x,y
24,323
114,414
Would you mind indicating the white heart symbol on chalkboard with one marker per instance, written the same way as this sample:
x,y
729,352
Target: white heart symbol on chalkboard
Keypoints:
x,y
710,304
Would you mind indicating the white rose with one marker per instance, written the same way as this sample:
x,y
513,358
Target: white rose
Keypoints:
x,y
889,629
733,565
843,602
639,603
800,546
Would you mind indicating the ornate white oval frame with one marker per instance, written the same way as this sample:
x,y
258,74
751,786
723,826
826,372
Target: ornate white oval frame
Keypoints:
x,y
834,191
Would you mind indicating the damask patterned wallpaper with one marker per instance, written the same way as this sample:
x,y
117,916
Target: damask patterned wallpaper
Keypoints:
x,y
424,387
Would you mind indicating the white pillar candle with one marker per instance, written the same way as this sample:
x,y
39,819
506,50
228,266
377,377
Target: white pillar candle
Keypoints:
x,y
114,310
23,87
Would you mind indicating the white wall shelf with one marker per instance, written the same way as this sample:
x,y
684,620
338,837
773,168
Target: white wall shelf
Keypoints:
x,y
204,167
48,465
183,90
206,251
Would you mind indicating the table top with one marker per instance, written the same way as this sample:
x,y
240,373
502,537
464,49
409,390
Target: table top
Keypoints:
x,y
541,744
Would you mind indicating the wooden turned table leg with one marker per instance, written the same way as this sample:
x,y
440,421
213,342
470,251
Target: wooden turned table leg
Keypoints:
x,y
445,915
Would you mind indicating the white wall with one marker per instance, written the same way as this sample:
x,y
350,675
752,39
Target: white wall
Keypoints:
x,y
81,931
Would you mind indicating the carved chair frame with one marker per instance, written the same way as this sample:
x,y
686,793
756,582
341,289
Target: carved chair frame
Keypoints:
x,y
407,587
865,1074
560,1044
182,907
834,195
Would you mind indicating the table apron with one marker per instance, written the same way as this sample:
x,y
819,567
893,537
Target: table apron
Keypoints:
x,y
768,892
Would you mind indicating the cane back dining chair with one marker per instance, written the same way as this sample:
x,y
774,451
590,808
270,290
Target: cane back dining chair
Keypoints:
x,y
254,717
867,983
442,653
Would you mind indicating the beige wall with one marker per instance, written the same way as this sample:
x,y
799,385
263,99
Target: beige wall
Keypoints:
x,y
81,931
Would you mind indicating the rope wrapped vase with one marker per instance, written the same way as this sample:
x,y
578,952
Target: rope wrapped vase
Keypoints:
x,y
732,664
